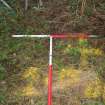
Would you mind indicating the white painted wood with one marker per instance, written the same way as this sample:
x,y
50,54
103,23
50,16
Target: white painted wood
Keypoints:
x,y
50,52
40,36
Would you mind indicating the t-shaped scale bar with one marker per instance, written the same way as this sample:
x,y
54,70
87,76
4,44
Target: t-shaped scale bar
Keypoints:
x,y
76,35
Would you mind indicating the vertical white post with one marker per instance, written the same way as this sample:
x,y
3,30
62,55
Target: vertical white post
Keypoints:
x,y
50,73
50,52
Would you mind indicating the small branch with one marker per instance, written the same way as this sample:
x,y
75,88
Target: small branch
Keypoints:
x,y
6,4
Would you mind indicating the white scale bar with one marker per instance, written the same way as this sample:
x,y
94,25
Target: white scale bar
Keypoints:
x,y
40,36
43,36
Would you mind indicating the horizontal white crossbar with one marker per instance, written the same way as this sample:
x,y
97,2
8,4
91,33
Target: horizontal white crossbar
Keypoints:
x,y
40,36
59,36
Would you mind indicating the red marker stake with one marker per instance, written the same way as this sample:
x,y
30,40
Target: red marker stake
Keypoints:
x,y
50,86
